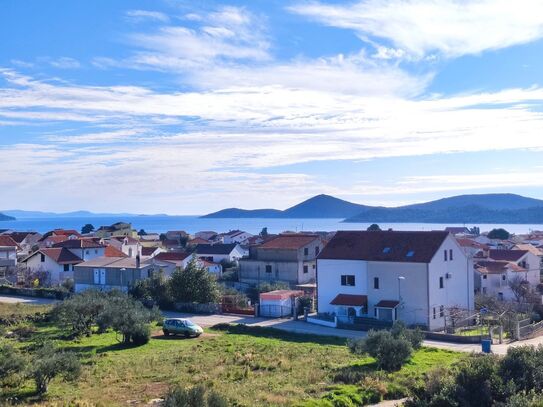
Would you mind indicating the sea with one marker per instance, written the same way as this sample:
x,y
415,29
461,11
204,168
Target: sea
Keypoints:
x,y
192,224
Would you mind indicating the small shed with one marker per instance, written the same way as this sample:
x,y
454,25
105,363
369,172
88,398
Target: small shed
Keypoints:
x,y
279,303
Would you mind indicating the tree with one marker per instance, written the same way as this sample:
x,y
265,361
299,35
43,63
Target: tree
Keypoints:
x,y
475,230
162,237
455,314
520,288
155,289
194,284
264,232
50,362
88,228
389,352
374,227
499,233
12,366
80,312
142,232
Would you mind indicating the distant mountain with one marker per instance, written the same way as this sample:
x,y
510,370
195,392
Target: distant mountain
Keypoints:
x,y
6,217
20,214
320,206
484,208
488,201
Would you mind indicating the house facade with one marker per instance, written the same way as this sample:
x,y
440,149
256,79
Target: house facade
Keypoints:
x,y
218,252
388,275
117,229
495,277
288,258
56,262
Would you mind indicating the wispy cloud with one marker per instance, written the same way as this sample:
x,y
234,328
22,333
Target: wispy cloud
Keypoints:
x,y
144,15
419,27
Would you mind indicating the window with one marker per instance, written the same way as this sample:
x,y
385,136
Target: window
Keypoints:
x,y
450,254
410,253
441,311
386,250
503,277
440,282
95,251
484,290
434,312
445,255
347,280
376,283
268,268
66,267
86,252
484,277
306,269
306,251
317,250
42,258
375,312
314,266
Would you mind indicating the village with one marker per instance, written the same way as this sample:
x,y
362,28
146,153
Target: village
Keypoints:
x,y
456,284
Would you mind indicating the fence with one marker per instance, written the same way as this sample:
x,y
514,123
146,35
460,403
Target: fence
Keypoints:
x,y
527,330
210,308
233,309
275,311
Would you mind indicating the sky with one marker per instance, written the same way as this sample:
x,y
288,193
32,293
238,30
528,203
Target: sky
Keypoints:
x,y
184,107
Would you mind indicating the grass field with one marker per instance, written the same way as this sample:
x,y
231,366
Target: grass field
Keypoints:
x,y
251,367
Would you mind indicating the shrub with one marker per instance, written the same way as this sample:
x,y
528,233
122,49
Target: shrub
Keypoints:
x,y
12,366
194,284
522,365
389,351
81,311
49,362
197,396
153,289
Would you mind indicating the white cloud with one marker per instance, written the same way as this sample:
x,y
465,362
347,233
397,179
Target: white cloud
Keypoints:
x,y
449,27
64,63
143,15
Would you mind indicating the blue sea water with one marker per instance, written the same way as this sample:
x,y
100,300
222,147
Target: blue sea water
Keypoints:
x,y
192,224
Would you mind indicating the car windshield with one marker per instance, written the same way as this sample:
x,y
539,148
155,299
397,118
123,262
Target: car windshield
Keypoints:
x,y
190,323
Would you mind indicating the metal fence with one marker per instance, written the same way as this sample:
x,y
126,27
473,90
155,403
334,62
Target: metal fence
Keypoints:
x,y
526,330
275,311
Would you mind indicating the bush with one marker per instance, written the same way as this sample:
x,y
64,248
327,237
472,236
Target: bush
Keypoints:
x,y
12,366
80,312
197,396
522,365
194,284
154,289
49,362
391,349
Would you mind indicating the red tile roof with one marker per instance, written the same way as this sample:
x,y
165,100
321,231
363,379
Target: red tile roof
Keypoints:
x,y
509,255
19,236
497,267
350,300
7,241
394,246
465,242
112,251
60,255
281,294
78,244
291,242
147,251
175,256
387,304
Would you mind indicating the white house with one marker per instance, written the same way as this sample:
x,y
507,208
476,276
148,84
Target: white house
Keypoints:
x,y
219,252
394,275
57,262
494,278
235,236
211,267
127,244
178,259
524,258
85,249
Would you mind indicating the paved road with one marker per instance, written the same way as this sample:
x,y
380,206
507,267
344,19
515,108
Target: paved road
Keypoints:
x,y
11,299
293,326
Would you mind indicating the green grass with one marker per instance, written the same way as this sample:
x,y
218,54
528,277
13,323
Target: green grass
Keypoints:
x,y
249,366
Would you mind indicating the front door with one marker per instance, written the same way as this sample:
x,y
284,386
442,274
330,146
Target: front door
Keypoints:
x,y
96,276
103,276
386,314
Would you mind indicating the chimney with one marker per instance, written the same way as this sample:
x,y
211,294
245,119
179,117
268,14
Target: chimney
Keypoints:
x,y
138,261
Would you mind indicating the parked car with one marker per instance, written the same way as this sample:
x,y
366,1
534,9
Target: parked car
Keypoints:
x,y
181,326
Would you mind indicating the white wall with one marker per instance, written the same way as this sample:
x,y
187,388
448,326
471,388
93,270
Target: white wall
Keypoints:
x,y
56,271
329,274
458,290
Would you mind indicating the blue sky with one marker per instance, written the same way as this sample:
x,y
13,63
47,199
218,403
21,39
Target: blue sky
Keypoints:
x,y
187,107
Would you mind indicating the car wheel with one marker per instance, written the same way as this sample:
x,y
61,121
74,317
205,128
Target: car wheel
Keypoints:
x,y
187,334
166,333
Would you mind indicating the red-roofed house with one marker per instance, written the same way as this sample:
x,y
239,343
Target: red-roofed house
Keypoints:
x,y
57,262
394,275
8,256
288,258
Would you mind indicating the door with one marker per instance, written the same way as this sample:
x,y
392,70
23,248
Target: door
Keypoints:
x,y
96,276
103,276
385,314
